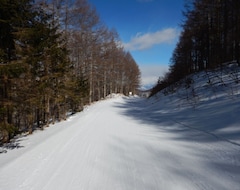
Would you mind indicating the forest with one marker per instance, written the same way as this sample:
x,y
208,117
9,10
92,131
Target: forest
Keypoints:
x,y
55,57
210,39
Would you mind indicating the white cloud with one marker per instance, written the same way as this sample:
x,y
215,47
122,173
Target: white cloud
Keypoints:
x,y
146,41
151,73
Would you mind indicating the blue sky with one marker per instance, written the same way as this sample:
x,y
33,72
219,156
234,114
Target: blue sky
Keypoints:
x,y
149,29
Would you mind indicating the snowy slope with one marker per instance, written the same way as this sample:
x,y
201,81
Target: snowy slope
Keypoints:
x,y
129,143
211,103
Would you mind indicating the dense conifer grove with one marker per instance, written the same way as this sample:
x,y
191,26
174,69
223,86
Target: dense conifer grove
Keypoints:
x,y
210,39
55,57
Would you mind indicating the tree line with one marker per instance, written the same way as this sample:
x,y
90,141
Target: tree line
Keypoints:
x,y
209,39
55,57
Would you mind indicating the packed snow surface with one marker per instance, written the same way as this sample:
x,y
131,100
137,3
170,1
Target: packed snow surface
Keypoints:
x,y
130,143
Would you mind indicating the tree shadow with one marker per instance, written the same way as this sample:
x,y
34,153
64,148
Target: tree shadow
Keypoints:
x,y
218,119
15,143
198,133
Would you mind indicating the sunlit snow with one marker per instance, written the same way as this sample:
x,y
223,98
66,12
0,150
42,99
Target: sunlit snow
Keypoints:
x,y
130,143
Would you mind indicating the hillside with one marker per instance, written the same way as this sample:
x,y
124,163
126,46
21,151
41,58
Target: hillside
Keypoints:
x,y
131,143
207,101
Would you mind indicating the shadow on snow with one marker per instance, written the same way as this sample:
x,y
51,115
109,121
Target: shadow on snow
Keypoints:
x,y
211,120
15,143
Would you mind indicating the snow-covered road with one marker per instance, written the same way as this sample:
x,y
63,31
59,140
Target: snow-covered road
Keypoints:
x,y
108,147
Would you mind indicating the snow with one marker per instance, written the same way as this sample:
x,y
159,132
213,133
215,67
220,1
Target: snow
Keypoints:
x,y
131,143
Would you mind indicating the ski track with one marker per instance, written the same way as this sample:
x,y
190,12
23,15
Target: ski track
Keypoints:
x,y
102,148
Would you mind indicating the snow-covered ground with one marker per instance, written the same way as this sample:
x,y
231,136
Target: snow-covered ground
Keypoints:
x,y
130,143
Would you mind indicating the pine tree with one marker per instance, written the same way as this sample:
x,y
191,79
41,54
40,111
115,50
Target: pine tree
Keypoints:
x,y
14,17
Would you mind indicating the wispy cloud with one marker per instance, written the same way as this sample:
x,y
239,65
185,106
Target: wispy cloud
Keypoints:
x,y
151,72
146,41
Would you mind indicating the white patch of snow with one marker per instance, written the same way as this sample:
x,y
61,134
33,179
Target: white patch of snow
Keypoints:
x,y
129,143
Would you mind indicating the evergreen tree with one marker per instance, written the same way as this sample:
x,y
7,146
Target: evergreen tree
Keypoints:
x,y
14,18
55,57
